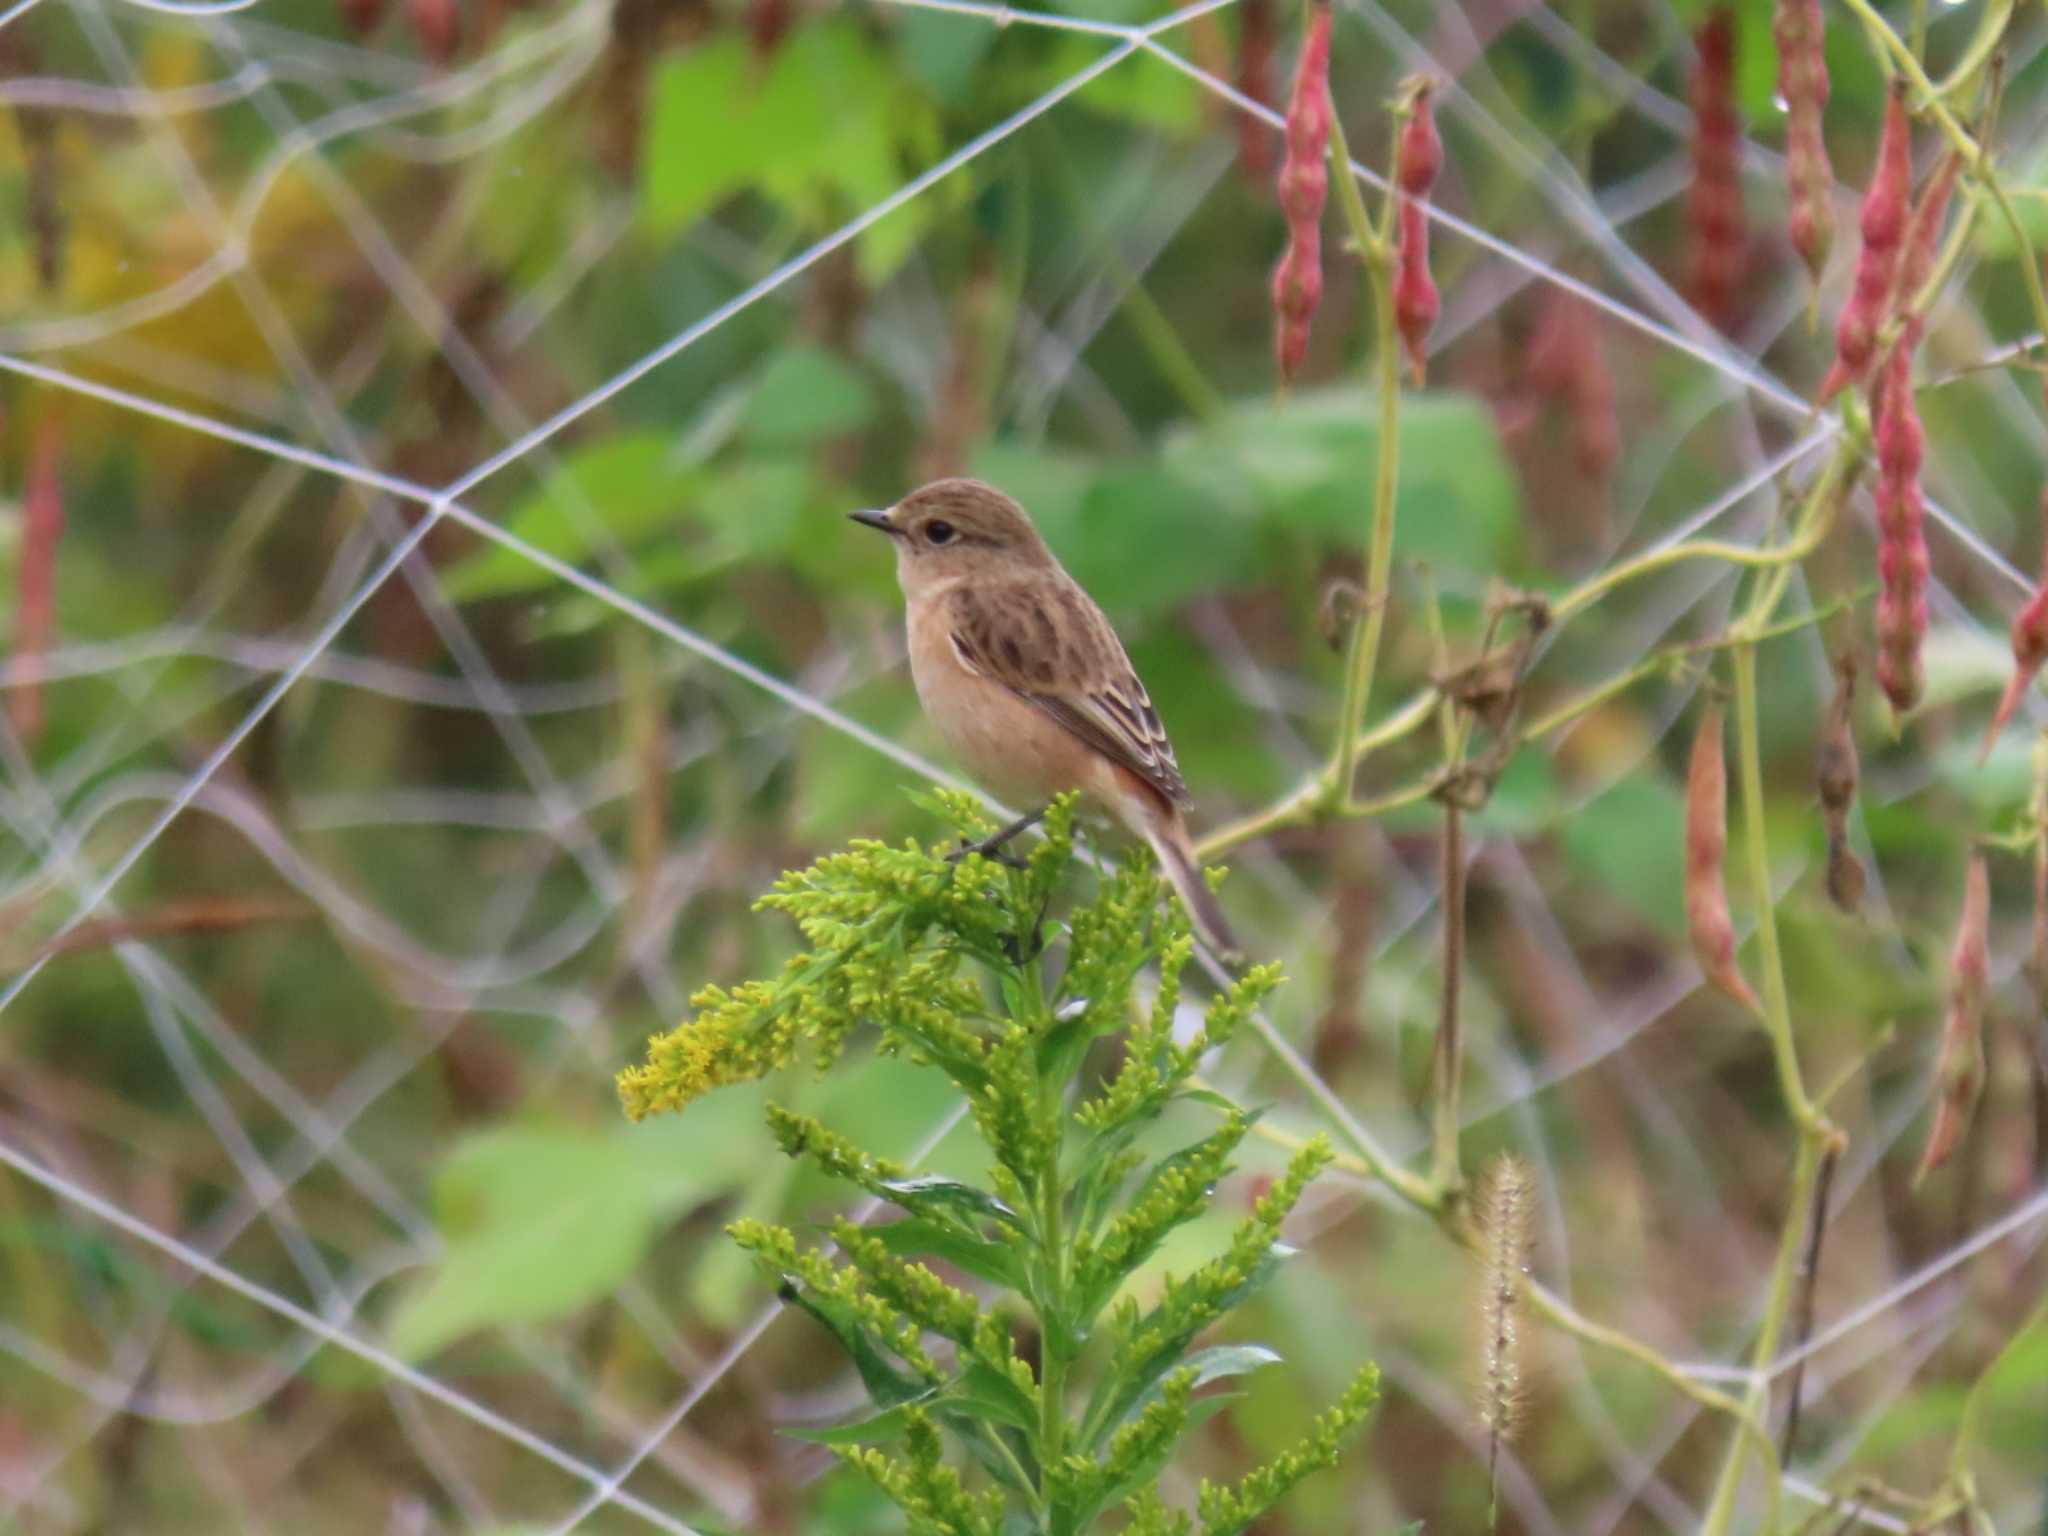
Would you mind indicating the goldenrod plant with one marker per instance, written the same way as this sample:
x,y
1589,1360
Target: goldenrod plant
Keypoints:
x,y
966,965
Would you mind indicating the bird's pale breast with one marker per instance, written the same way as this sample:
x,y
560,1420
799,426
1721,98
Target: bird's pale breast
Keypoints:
x,y
1011,747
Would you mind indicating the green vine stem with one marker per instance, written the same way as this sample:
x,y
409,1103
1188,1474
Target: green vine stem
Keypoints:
x,y
1962,1482
1313,799
1446,1175
1777,1304
1362,656
1815,1131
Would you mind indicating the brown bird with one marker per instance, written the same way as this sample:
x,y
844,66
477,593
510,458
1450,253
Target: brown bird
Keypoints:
x,y
1027,682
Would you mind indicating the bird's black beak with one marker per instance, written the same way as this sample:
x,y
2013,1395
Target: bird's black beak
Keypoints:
x,y
874,519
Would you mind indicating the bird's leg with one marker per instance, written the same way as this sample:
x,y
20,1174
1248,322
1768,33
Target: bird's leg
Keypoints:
x,y
992,845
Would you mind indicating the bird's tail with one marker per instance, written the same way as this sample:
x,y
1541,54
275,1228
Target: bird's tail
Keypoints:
x,y
1169,840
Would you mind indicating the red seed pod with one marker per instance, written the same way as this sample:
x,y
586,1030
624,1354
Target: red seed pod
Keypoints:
x,y
1706,850
1799,29
1901,539
1959,1073
1596,427
1304,183
1921,245
1420,154
1717,232
438,26
2029,647
1566,362
1551,356
1835,774
1883,226
362,15
42,528
1415,296
1255,45
767,24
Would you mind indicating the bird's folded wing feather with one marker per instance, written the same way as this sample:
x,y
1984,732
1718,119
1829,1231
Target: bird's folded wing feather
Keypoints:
x,y
1047,642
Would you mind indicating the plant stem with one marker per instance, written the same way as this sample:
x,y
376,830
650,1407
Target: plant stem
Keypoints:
x,y
1809,1283
1777,1004
1445,1173
1596,587
1362,656
1314,799
1805,1166
1815,1131
1049,1214
1052,1364
1308,801
1570,1320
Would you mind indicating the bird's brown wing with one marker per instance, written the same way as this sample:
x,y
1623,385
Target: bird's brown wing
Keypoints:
x,y
1046,641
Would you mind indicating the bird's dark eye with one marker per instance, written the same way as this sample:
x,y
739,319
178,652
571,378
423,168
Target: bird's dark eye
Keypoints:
x,y
938,532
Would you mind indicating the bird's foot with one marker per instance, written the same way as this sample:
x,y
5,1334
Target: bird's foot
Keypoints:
x,y
992,846
988,849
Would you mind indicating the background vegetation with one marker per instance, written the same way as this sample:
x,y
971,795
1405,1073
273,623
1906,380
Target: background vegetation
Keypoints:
x,y
424,444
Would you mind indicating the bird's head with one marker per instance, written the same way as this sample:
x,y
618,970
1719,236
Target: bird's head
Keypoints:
x,y
953,529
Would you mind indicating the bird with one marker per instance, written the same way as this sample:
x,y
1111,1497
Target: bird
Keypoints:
x,y
1025,679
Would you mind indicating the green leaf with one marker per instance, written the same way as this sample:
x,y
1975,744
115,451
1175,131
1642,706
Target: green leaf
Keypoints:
x,y
1113,1398
916,1238
873,1429
717,123
1103,1163
1145,1470
948,1200
540,1222
1140,90
1630,842
887,1386
1146,537
1188,1154
986,1394
944,50
981,1442
1075,1027
618,489
1214,1364
1308,462
574,1243
806,393
827,123
761,509
1091,1297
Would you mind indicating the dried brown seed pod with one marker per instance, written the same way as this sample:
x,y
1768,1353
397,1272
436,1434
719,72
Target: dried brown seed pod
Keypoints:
x,y
1706,852
1959,1072
1799,29
1835,772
